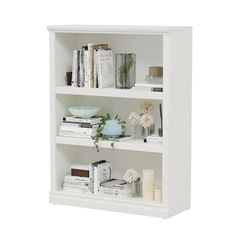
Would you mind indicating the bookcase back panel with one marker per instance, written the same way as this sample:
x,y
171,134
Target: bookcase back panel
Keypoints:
x,y
113,106
120,161
148,50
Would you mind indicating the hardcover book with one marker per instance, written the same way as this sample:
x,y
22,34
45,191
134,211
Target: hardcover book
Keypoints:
x,y
105,69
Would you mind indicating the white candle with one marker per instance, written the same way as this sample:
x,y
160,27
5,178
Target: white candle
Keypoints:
x,y
148,184
158,195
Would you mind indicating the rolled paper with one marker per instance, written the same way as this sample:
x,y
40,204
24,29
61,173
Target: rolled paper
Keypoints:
x,y
148,184
158,195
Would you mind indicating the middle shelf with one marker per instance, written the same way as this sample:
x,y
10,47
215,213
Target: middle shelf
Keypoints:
x,y
131,144
109,92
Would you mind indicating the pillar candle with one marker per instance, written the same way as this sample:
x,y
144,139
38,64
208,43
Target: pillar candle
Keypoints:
x,y
158,195
148,184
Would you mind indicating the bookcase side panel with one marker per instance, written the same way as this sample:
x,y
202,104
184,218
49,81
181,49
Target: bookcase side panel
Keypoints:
x,y
52,110
179,119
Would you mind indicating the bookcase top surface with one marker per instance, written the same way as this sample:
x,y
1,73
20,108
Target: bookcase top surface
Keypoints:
x,y
114,29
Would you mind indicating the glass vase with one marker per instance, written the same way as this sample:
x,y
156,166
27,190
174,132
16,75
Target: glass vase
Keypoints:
x,y
148,131
125,70
136,189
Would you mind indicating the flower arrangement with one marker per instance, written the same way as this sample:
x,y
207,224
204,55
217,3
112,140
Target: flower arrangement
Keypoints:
x,y
143,117
131,176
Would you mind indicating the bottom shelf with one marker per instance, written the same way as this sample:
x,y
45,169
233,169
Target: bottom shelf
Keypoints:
x,y
111,203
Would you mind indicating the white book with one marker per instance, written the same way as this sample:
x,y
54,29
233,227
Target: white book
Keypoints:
x,y
81,71
75,66
75,178
95,182
77,129
148,85
105,69
72,135
86,64
91,121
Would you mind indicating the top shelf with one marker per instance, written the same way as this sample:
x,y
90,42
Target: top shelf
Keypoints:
x,y
109,92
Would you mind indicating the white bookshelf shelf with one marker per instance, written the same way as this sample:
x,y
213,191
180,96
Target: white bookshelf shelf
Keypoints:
x,y
130,145
109,92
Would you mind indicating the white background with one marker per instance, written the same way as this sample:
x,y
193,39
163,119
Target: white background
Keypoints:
x,y
24,119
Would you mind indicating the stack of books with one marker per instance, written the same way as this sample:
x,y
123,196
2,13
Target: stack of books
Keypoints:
x,y
154,139
148,87
76,184
117,187
79,127
92,67
87,178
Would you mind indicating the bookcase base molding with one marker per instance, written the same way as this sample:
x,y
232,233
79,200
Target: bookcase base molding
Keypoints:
x,y
72,199
169,48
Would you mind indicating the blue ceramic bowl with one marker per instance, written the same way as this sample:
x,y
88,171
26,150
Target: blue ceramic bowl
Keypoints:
x,y
84,111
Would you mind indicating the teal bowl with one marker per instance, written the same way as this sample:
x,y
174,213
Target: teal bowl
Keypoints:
x,y
84,111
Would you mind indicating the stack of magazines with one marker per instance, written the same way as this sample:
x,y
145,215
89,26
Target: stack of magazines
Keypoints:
x,y
79,127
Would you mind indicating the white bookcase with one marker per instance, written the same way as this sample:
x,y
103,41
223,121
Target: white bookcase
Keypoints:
x,y
167,46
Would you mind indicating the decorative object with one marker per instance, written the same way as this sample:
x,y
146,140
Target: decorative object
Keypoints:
x,y
160,130
68,78
125,70
155,75
110,128
84,111
144,119
148,184
158,195
131,176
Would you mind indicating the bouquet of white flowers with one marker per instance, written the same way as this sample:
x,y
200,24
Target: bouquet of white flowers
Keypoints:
x,y
144,117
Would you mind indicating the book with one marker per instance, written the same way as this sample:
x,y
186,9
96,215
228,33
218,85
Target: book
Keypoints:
x,y
80,124
71,134
81,71
146,89
91,121
85,66
105,70
78,129
121,139
75,179
91,48
102,172
149,85
75,67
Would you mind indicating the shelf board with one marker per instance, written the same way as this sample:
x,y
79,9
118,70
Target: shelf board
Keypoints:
x,y
131,145
109,92
98,201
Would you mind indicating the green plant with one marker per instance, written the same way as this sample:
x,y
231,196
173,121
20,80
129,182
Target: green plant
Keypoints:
x,y
124,70
101,127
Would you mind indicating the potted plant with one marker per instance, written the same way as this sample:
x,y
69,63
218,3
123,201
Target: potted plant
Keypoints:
x,y
109,128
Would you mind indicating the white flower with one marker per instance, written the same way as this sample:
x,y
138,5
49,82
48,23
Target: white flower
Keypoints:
x,y
146,120
131,176
147,107
134,118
